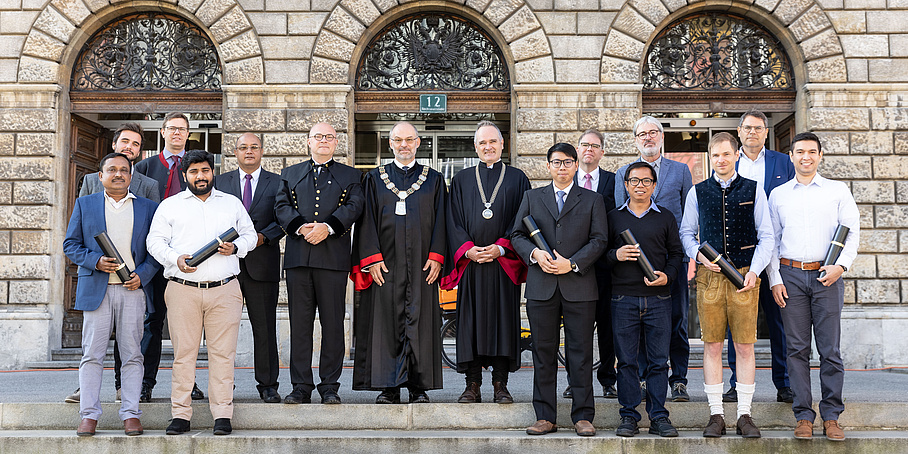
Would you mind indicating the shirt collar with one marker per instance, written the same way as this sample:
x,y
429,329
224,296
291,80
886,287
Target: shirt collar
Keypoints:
x,y
400,165
493,164
594,174
115,203
760,155
817,180
255,174
566,190
168,154
725,184
187,194
652,206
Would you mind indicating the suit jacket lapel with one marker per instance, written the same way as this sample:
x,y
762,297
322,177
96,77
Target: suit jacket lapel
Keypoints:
x,y
572,199
661,182
769,162
602,178
548,199
264,181
139,217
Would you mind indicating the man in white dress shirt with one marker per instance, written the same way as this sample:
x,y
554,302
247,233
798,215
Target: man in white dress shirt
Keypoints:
x,y
206,296
805,214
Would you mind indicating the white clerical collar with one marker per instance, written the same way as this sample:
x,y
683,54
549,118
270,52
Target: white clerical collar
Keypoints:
x,y
489,166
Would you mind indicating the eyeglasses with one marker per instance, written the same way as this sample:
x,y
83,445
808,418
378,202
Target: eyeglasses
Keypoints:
x,y
647,182
251,147
757,129
562,163
594,146
651,133
409,140
320,137
173,129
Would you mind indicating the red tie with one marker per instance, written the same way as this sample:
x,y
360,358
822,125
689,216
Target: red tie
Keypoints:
x,y
173,179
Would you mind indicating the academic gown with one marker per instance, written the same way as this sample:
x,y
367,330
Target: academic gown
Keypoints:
x,y
488,294
397,325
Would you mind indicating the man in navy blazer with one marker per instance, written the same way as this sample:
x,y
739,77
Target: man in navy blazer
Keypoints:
x,y
105,299
769,169
671,192
260,270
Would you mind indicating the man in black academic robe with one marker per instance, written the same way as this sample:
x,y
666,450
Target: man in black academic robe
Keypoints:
x,y
398,255
486,270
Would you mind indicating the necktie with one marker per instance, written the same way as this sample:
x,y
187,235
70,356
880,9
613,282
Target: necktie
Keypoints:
x,y
405,168
560,200
587,182
173,178
247,192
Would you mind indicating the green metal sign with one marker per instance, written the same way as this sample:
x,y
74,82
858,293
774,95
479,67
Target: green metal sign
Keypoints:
x,y
433,103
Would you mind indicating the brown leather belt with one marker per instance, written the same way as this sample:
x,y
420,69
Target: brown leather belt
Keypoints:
x,y
806,266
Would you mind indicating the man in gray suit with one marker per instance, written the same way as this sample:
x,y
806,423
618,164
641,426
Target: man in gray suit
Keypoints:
x,y
128,141
671,192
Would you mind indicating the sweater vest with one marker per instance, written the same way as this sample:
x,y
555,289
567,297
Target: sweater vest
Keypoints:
x,y
727,218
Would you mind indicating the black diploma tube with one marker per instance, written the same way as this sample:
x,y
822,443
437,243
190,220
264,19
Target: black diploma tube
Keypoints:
x,y
536,235
109,250
643,261
212,248
835,247
729,271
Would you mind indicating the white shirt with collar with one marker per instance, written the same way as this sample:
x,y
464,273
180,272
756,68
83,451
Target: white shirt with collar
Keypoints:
x,y
594,178
184,223
255,180
566,190
754,170
117,205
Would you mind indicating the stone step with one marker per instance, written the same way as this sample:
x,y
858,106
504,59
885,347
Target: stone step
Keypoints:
x,y
461,441
69,358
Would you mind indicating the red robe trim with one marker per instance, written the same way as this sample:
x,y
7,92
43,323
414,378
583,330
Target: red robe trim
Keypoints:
x,y
362,279
510,262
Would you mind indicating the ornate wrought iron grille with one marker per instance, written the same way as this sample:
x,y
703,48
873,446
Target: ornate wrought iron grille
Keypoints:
x,y
148,52
716,52
432,52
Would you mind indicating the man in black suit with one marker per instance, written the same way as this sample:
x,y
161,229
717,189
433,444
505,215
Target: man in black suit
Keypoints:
x,y
260,271
317,203
572,220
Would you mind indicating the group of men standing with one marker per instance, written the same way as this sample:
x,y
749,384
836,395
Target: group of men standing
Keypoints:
x,y
398,234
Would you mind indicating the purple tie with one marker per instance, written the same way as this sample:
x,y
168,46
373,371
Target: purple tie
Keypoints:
x,y
247,192
588,183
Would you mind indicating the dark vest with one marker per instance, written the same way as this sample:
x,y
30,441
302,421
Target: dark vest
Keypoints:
x,y
727,218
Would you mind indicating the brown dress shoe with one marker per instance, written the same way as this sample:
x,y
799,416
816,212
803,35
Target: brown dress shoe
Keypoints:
x,y
833,431
541,427
471,395
715,428
746,427
584,428
87,427
132,426
502,396
804,430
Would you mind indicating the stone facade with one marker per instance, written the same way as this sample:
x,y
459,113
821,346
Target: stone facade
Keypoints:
x,y
574,64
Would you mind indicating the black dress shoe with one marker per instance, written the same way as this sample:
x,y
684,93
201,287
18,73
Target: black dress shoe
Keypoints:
x,y
568,393
609,392
331,398
418,396
177,426
730,396
270,396
196,393
222,426
662,427
627,428
145,396
389,396
785,395
298,396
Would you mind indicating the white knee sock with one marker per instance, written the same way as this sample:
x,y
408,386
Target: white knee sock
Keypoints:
x,y
714,397
745,397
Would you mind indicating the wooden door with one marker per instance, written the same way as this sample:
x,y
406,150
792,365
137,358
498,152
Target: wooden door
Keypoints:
x,y
784,131
89,142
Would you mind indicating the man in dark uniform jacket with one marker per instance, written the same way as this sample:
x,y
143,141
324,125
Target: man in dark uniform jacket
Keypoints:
x,y
317,203
260,271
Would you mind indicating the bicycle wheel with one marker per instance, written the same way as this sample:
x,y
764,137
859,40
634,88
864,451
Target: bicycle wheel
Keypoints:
x,y
449,343
596,360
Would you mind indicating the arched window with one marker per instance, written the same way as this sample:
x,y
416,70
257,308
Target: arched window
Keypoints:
x,y
432,51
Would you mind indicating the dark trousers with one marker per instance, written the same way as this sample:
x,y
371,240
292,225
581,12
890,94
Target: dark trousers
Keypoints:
x,y
810,305
154,332
545,318
606,374
631,316
498,364
776,338
261,306
308,289
679,348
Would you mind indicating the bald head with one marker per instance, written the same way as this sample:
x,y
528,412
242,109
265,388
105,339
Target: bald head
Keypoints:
x,y
248,150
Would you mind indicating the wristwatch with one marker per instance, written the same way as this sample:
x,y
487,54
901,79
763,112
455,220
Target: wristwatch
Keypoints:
x,y
575,267
844,268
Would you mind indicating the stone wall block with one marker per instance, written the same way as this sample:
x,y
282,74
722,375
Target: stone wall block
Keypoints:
x,y
190,5
363,10
4,246
18,168
16,22
768,5
286,144
231,24
537,70
609,119
479,5
253,120
845,167
533,45
901,141
887,21
269,23
30,242
546,120
342,23
617,70
534,143
74,10
6,193
25,267
871,142
903,241
632,23
211,10
830,69
894,167
853,119
9,70
865,45
901,192
866,213
864,266
878,241
849,291
873,191
499,10
674,5
33,193
240,47
848,21
385,5
334,47
574,5
534,167
613,163
620,45
519,24
892,118
286,71
788,10
96,5
7,144
29,292
810,23
248,71
26,120
326,71
577,71
653,10
876,291
305,23
43,46
35,144
891,216
617,143
888,69
304,120
37,70
287,47
822,45
893,265
596,23
834,143
54,24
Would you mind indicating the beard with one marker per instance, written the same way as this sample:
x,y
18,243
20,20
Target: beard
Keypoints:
x,y
649,151
193,188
